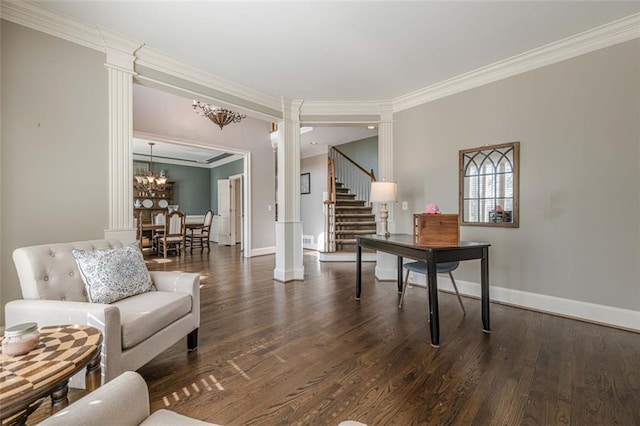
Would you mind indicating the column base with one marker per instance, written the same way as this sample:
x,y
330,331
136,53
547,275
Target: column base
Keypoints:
x,y
289,266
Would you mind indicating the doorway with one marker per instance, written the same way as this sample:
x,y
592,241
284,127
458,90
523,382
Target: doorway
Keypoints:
x,y
182,160
230,210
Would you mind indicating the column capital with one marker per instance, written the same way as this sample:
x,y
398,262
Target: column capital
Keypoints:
x,y
291,109
386,112
120,51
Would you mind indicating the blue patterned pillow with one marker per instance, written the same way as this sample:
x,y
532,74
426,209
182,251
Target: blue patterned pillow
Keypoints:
x,y
114,274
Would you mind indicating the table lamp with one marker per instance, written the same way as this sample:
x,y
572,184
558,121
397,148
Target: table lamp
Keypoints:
x,y
383,193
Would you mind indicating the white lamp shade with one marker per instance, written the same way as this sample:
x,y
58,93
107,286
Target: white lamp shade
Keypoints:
x,y
384,192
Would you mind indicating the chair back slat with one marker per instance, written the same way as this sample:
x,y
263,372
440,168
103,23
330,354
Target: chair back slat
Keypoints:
x,y
159,219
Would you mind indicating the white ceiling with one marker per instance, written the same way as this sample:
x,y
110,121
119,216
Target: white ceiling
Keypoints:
x,y
339,50
343,50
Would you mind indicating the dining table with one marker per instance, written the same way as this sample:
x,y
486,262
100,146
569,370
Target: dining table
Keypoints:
x,y
155,228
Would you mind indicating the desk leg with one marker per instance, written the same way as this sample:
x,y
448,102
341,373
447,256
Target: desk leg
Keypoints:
x,y
400,274
484,285
434,316
358,271
59,399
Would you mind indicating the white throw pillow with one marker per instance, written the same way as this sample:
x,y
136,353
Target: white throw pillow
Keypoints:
x,y
114,274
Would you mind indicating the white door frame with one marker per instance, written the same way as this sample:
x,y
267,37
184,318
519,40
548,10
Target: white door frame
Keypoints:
x,y
246,182
240,212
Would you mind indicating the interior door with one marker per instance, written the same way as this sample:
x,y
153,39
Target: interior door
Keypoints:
x,y
224,212
232,211
236,188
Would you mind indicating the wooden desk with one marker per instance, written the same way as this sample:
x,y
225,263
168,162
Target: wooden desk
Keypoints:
x,y
45,371
402,245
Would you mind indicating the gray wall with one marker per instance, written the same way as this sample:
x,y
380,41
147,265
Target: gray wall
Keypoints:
x,y
363,152
191,187
222,172
578,124
311,206
54,145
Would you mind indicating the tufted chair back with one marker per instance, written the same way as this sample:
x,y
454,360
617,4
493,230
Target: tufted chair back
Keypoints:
x,y
50,271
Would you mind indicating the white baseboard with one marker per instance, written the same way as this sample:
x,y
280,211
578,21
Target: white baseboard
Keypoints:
x,y
608,315
387,274
288,275
263,251
344,257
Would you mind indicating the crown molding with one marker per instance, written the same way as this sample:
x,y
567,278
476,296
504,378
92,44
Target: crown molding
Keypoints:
x,y
37,18
355,108
162,62
40,19
615,32
93,37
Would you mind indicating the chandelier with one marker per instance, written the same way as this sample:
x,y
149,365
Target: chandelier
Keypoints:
x,y
218,115
149,181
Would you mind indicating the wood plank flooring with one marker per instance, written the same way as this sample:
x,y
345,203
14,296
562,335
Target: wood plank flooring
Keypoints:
x,y
307,353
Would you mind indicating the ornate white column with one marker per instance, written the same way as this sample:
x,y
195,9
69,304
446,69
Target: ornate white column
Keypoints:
x,y
386,265
120,68
288,227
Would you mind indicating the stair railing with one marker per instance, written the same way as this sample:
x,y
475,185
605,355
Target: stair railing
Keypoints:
x,y
330,209
352,175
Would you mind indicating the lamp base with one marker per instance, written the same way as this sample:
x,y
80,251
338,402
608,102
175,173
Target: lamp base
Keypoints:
x,y
384,216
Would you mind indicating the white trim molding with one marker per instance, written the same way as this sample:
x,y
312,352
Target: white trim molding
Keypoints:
x,y
97,38
40,19
338,256
615,32
576,309
341,108
159,61
263,251
94,37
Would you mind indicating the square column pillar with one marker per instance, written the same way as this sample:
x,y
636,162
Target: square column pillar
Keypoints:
x,y
386,265
289,264
120,68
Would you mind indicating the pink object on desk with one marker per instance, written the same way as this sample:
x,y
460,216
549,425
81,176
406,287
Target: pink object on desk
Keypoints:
x,y
432,208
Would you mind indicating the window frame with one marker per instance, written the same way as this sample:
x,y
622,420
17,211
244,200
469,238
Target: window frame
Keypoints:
x,y
486,151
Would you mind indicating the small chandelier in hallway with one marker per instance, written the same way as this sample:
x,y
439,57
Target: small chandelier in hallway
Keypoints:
x,y
149,181
218,115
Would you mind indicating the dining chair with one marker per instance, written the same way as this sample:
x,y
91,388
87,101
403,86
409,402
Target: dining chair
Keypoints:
x,y
157,219
421,268
174,233
201,233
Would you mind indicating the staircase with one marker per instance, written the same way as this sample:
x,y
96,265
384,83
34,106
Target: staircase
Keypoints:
x,y
352,218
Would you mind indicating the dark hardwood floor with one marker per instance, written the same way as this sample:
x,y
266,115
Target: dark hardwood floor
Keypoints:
x,y
307,353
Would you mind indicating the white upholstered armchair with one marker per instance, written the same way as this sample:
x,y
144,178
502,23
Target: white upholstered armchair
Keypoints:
x,y
135,330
